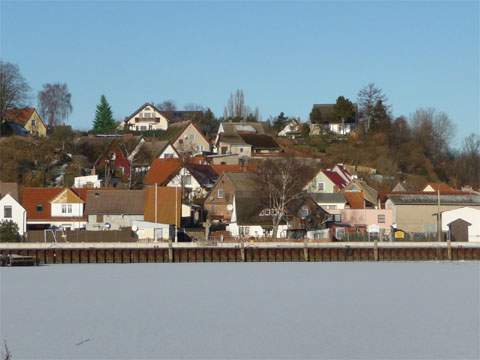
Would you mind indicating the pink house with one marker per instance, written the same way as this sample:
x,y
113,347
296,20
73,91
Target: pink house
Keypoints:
x,y
375,220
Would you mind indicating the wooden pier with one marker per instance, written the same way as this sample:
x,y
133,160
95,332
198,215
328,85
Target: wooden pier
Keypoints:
x,y
79,253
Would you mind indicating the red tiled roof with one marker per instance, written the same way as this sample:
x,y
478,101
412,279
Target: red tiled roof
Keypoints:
x,y
335,178
20,116
161,171
355,199
220,169
34,196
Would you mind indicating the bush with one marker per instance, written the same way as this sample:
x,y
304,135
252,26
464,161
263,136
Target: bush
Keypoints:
x,y
9,232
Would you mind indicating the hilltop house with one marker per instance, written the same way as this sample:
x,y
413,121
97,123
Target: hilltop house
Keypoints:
x,y
186,137
333,123
292,130
28,119
246,139
54,207
148,117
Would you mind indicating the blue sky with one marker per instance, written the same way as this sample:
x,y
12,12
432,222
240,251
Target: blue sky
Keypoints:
x,y
284,55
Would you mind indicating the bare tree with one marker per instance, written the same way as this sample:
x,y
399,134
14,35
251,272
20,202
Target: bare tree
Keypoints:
x,y
367,98
282,182
194,107
237,110
14,89
167,105
55,103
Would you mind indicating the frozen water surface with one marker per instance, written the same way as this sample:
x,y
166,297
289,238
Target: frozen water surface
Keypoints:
x,y
252,310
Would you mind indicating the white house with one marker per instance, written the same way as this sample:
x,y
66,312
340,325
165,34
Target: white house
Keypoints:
x,y
90,181
168,152
11,210
292,129
249,219
146,117
468,214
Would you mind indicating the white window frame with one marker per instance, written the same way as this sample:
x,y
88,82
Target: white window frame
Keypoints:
x,y
323,186
381,218
220,193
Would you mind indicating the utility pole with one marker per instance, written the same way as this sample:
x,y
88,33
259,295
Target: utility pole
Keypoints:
x,y
439,218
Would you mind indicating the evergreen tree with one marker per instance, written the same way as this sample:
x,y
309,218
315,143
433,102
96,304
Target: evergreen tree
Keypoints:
x,y
103,122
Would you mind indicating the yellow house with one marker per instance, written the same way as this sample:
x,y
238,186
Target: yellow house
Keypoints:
x,y
29,119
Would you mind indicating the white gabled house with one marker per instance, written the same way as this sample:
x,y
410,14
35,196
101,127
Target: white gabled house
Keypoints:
x,y
11,210
146,117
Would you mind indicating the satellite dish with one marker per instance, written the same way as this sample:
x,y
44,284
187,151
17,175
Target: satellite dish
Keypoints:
x,y
229,207
135,228
108,225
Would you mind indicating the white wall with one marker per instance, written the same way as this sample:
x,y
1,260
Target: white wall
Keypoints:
x,y
468,214
19,214
168,152
116,221
87,181
77,210
147,123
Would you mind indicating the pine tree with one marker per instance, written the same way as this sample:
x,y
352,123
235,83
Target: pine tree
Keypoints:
x,y
103,122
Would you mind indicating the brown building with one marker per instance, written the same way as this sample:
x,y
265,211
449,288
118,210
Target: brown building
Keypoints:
x,y
219,202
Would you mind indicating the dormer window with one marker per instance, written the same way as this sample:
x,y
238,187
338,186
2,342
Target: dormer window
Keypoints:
x,y
39,208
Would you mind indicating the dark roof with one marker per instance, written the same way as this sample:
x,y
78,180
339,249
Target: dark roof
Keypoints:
x,y
422,198
172,116
321,198
204,174
14,128
248,210
260,141
327,111
233,128
115,202
243,182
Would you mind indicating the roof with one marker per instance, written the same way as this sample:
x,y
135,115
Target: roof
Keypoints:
x,y
162,170
20,116
422,198
115,202
67,196
232,139
369,193
327,111
260,141
248,210
399,188
335,178
243,181
232,128
9,188
327,198
169,200
149,151
459,221
220,169
355,199
34,196
443,188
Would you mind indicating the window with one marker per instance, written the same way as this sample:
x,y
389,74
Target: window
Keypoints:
x,y
320,186
39,207
220,193
304,212
34,122
381,219
7,212
187,180
99,218
241,150
168,156
66,208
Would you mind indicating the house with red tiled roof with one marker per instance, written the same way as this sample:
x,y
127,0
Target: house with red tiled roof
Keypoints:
x,y
326,181
54,207
195,179
29,119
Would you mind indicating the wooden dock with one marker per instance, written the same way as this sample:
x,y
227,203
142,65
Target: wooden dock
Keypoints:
x,y
77,253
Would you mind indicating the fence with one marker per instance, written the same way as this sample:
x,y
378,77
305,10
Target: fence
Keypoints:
x,y
74,236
